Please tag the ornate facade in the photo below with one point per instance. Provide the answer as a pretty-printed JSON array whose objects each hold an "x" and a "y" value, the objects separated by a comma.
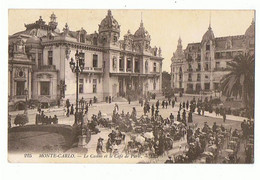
[
  {"x": 39, "y": 62},
  {"x": 201, "y": 65}
]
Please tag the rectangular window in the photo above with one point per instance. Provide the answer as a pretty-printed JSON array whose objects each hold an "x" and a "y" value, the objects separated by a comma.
[
  {"x": 137, "y": 66},
  {"x": 121, "y": 64},
  {"x": 207, "y": 86},
  {"x": 94, "y": 85},
  {"x": 39, "y": 59},
  {"x": 20, "y": 87},
  {"x": 154, "y": 67},
  {"x": 50, "y": 58},
  {"x": 45, "y": 88},
  {"x": 217, "y": 65},
  {"x": 129, "y": 64},
  {"x": 198, "y": 77},
  {"x": 206, "y": 67},
  {"x": 207, "y": 47},
  {"x": 95, "y": 60},
  {"x": 81, "y": 84}
]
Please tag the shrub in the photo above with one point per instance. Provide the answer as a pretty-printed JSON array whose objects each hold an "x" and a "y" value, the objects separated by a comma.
[{"x": 21, "y": 119}]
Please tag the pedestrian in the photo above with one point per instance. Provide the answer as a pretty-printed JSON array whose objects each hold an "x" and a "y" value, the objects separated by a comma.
[
  {"x": 163, "y": 104},
  {"x": 145, "y": 110},
  {"x": 152, "y": 110},
  {"x": 183, "y": 104},
  {"x": 129, "y": 100},
  {"x": 68, "y": 112},
  {"x": 203, "y": 110},
  {"x": 169, "y": 160},
  {"x": 180, "y": 107},
  {"x": 173, "y": 103},
  {"x": 72, "y": 109},
  {"x": 86, "y": 108},
  {"x": 187, "y": 105},
  {"x": 157, "y": 104},
  {"x": 99, "y": 148},
  {"x": 171, "y": 117},
  {"x": 190, "y": 117},
  {"x": 179, "y": 117},
  {"x": 166, "y": 104}
]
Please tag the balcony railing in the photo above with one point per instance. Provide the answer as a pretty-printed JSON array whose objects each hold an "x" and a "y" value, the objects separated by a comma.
[
  {"x": 221, "y": 69},
  {"x": 47, "y": 67},
  {"x": 190, "y": 69},
  {"x": 190, "y": 79},
  {"x": 93, "y": 69},
  {"x": 121, "y": 69},
  {"x": 198, "y": 70},
  {"x": 128, "y": 70},
  {"x": 20, "y": 96}
]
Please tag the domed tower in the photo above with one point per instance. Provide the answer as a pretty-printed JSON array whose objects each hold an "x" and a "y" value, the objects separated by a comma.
[
  {"x": 208, "y": 46},
  {"x": 109, "y": 30},
  {"x": 34, "y": 49},
  {"x": 142, "y": 39},
  {"x": 249, "y": 41},
  {"x": 207, "y": 63}
]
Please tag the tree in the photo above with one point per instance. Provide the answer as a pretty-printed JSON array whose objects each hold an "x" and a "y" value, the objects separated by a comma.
[
  {"x": 241, "y": 80},
  {"x": 166, "y": 85}
]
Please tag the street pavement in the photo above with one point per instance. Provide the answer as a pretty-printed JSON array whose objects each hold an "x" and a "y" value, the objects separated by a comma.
[{"x": 232, "y": 121}]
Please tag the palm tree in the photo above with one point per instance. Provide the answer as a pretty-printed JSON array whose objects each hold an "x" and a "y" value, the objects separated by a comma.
[{"x": 241, "y": 80}]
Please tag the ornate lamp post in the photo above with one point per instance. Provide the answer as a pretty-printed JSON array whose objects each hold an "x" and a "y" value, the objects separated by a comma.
[{"x": 77, "y": 67}]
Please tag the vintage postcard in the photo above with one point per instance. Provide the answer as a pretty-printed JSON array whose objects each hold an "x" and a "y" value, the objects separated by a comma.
[{"x": 131, "y": 86}]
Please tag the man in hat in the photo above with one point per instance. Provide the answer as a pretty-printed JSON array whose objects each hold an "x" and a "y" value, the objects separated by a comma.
[
  {"x": 99, "y": 148},
  {"x": 169, "y": 160}
]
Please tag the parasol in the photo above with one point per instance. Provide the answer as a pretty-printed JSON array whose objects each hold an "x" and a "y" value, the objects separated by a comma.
[
  {"x": 207, "y": 153},
  {"x": 229, "y": 150},
  {"x": 148, "y": 135},
  {"x": 140, "y": 139}
]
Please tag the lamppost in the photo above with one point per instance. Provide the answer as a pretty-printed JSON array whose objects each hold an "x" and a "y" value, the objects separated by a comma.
[
  {"x": 77, "y": 67},
  {"x": 26, "y": 94}
]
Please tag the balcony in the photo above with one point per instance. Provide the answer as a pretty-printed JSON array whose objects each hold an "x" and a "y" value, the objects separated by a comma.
[
  {"x": 47, "y": 68},
  {"x": 20, "y": 97},
  {"x": 121, "y": 69},
  {"x": 189, "y": 79},
  {"x": 221, "y": 69},
  {"x": 93, "y": 70},
  {"x": 128, "y": 70},
  {"x": 190, "y": 70},
  {"x": 198, "y": 70}
]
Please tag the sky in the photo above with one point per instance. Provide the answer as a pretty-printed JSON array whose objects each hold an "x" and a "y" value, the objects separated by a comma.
[{"x": 164, "y": 26}]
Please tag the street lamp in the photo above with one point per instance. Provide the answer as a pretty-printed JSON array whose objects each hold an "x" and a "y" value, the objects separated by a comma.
[
  {"x": 26, "y": 94},
  {"x": 77, "y": 67}
]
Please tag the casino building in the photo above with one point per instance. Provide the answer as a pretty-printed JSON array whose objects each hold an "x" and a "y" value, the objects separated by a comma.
[
  {"x": 200, "y": 67},
  {"x": 39, "y": 60}
]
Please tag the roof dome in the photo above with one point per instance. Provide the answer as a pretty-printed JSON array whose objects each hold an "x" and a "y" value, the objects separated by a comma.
[
  {"x": 141, "y": 32},
  {"x": 250, "y": 32},
  {"x": 209, "y": 35},
  {"x": 33, "y": 40},
  {"x": 109, "y": 23}
]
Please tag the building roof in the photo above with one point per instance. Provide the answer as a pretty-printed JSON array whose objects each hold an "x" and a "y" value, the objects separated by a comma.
[{"x": 109, "y": 23}]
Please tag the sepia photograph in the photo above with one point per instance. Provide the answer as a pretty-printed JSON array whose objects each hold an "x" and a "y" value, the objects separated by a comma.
[{"x": 131, "y": 86}]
